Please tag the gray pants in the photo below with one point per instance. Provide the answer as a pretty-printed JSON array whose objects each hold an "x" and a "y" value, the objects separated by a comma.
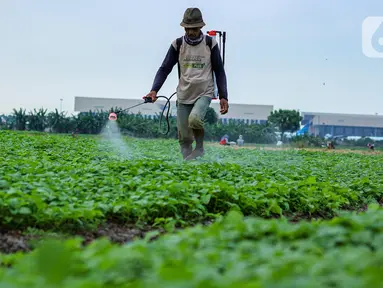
[{"x": 191, "y": 117}]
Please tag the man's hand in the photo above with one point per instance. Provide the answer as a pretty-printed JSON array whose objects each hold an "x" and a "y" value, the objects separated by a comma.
[
  {"x": 224, "y": 106},
  {"x": 153, "y": 95}
]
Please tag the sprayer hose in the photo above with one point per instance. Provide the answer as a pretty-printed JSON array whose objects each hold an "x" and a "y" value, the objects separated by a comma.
[
  {"x": 167, "y": 113},
  {"x": 167, "y": 104}
]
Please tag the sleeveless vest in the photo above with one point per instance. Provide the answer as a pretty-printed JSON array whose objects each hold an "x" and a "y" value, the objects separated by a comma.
[{"x": 194, "y": 70}]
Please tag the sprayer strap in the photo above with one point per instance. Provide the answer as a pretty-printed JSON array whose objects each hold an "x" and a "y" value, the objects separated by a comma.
[
  {"x": 179, "y": 43},
  {"x": 209, "y": 41}
]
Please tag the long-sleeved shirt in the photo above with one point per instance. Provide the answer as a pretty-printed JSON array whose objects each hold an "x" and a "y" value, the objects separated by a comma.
[{"x": 197, "y": 64}]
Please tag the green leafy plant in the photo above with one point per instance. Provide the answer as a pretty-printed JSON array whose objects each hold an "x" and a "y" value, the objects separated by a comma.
[
  {"x": 233, "y": 252},
  {"x": 51, "y": 182},
  {"x": 55, "y": 181}
]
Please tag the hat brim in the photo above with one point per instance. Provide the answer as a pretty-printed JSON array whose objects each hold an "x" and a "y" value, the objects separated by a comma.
[{"x": 194, "y": 25}]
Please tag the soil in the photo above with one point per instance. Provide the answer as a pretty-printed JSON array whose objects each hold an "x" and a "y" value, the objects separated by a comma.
[
  {"x": 117, "y": 233},
  {"x": 12, "y": 241}
]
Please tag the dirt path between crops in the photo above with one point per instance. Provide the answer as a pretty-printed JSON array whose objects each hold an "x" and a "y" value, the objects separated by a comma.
[
  {"x": 260, "y": 147},
  {"x": 14, "y": 241}
]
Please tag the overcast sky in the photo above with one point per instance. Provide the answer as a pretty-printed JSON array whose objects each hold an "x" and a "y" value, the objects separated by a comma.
[{"x": 276, "y": 51}]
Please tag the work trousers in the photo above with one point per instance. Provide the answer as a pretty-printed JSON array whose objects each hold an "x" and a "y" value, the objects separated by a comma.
[{"x": 191, "y": 117}]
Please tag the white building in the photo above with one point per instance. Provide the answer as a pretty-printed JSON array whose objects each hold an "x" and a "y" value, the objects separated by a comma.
[
  {"x": 337, "y": 124},
  {"x": 242, "y": 112}
]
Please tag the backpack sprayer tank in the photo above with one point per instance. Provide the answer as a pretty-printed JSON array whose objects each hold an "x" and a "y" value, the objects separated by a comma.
[{"x": 221, "y": 44}]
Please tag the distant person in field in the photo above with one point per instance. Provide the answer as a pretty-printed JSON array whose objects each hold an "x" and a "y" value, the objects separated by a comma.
[
  {"x": 197, "y": 56},
  {"x": 224, "y": 140},
  {"x": 240, "y": 141},
  {"x": 370, "y": 146},
  {"x": 75, "y": 133}
]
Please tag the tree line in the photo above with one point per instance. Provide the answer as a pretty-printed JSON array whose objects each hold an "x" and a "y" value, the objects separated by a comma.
[{"x": 137, "y": 125}]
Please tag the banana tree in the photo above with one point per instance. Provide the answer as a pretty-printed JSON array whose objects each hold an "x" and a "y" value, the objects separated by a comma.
[
  {"x": 20, "y": 119},
  {"x": 60, "y": 123},
  {"x": 37, "y": 120},
  {"x": 91, "y": 122}
]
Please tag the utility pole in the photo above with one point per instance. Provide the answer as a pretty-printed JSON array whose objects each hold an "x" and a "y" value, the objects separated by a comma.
[{"x": 61, "y": 105}]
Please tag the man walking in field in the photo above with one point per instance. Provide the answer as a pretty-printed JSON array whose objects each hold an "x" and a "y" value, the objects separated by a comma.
[{"x": 197, "y": 56}]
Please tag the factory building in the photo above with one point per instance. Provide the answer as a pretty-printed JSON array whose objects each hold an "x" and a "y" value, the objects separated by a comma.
[
  {"x": 245, "y": 113},
  {"x": 335, "y": 124}
]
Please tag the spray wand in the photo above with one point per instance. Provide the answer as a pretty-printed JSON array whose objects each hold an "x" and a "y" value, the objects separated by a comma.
[{"x": 113, "y": 115}]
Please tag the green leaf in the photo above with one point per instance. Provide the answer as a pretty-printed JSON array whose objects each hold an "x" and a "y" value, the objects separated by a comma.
[
  {"x": 205, "y": 199},
  {"x": 25, "y": 211}
]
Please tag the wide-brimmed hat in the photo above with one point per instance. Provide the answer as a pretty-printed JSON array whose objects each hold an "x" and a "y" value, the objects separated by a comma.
[{"x": 192, "y": 18}]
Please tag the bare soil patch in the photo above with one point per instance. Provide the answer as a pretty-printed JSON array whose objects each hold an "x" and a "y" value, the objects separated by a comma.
[
  {"x": 260, "y": 147},
  {"x": 12, "y": 241}
]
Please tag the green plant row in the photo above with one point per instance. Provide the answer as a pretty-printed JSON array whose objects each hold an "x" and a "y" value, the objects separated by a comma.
[
  {"x": 233, "y": 252},
  {"x": 55, "y": 181}
]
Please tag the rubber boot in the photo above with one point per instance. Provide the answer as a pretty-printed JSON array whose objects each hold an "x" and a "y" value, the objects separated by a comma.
[
  {"x": 186, "y": 150},
  {"x": 199, "y": 150}
]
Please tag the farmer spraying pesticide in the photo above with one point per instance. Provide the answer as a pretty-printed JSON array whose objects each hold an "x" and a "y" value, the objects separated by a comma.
[{"x": 198, "y": 57}]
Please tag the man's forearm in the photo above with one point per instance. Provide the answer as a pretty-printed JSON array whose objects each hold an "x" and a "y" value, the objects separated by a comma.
[
  {"x": 165, "y": 69},
  {"x": 222, "y": 84}
]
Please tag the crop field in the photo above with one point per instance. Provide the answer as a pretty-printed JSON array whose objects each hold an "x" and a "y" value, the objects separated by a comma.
[{"x": 236, "y": 218}]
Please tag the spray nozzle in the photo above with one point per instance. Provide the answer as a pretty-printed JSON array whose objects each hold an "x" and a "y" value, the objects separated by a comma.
[{"x": 112, "y": 116}]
